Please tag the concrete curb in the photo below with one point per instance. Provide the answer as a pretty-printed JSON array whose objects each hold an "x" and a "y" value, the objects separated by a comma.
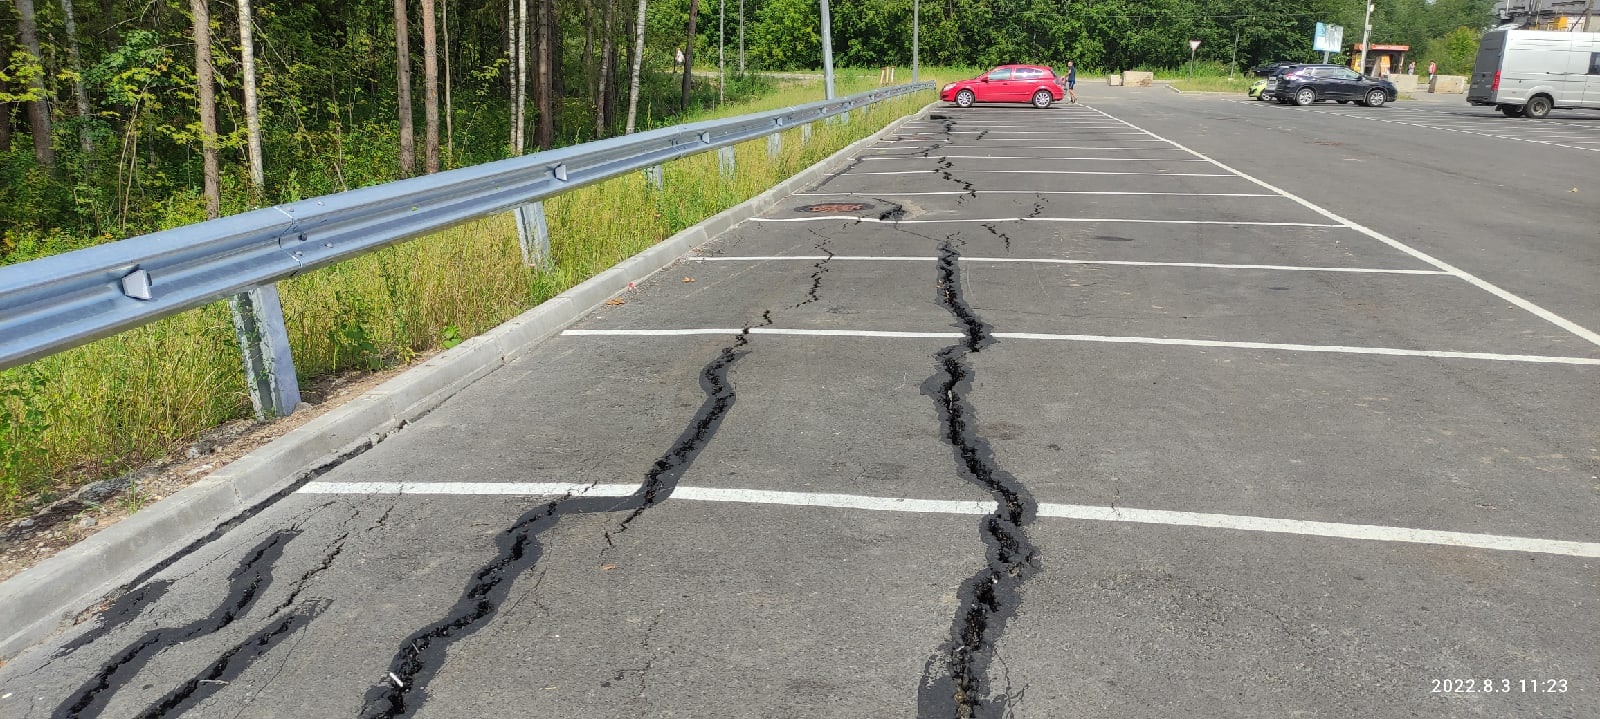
[{"x": 34, "y": 603}]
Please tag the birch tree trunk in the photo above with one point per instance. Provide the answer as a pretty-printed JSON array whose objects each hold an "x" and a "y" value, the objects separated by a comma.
[
  {"x": 688, "y": 53},
  {"x": 38, "y": 110},
  {"x": 608, "y": 53},
  {"x": 208, "y": 106},
  {"x": 79, "y": 94},
  {"x": 430, "y": 89},
  {"x": 252, "y": 101},
  {"x": 402, "y": 66},
  {"x": 633, "y": 73}
]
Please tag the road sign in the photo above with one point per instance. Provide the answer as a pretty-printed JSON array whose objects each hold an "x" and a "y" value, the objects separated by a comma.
[
  {"x": 1194, "y": 44},
  {"x": 1328, "y": 38}
]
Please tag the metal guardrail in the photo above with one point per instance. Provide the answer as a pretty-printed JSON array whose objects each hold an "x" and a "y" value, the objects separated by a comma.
[{"x": 59, "y": 302}]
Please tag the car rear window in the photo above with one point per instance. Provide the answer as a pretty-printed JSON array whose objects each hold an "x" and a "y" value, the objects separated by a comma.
[{"x": 1026, "y": 73}]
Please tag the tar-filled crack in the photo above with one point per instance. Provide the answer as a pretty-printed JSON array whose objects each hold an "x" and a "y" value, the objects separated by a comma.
[
  {"x": 245, "y": 586},
  {"x": 1005, "y": 238},
  {"x": 418, "y": 660},
  {"x": 956, "y": 681},
  {"x": 818, "y": 270},
  {"x": 854, "y": 161}
]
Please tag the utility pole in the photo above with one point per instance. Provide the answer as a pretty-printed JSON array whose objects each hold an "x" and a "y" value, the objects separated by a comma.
[
  {"x": 741, "y": 38},
  {"x": 722, "y": 59},
  {"x": 1236, "y": 54},
  {"x": 916, "y": 26},
  {"x": 1366, "y": 38},
  {"x": 827, "y": 53}
]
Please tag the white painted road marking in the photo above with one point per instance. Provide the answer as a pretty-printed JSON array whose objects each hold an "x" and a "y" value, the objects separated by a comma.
[
  {"x": 1042, "y": 192},
  {"x": 1536, "y": 310},
  {"x": 1335, "y": 349},
  {"x": 1273, "y": 525},
  {"x": 1053, "y": 261},
  {"x": 1040, "y": 172},
  {"x": 1028, "y": 157},
  {"x": 992, "y": 220}
]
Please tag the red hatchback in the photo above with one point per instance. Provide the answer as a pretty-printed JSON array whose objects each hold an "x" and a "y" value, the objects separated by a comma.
[{"x": 1035, "y": 84}]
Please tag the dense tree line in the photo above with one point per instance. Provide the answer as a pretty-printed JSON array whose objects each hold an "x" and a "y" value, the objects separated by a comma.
[{"x": 125, "y": 116}]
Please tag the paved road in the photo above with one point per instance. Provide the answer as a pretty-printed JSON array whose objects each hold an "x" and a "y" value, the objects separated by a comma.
[{"x": 1157, "y": 406}]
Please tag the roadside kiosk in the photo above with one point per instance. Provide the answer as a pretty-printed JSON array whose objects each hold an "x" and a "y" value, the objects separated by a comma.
[{"x": 1382, "y": 60}]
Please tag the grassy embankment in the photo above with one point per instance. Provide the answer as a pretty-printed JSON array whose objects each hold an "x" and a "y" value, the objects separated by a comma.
[{"x": 98, "y": 410}]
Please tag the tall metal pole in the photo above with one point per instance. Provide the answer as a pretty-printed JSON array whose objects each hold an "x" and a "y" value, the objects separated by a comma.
[
  {"x": 916, "y": 26},
  {"x": 1366, "y": 38},
  {"x": 1236, "y": 54},
  {"x": 741, "y": 38},
  {"x": 827, "y": 53}
]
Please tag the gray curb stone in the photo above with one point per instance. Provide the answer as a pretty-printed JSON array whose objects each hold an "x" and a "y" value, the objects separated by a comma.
[{"x": 35, "y": 603}]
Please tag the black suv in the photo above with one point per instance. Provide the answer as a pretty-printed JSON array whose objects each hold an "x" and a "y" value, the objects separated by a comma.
[{"x": 1305, "y": 84}]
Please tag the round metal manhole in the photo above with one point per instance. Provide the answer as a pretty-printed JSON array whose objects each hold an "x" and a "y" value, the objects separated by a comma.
[{"x": 831, "y": 207}]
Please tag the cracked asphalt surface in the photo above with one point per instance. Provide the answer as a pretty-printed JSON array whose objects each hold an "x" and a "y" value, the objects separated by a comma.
[{"x": 853, "y": 468}]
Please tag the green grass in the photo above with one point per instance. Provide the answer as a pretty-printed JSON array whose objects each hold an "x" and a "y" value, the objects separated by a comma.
[
  {"x": 106, "y": 407},
  {"x": 1239, "y": 84}
]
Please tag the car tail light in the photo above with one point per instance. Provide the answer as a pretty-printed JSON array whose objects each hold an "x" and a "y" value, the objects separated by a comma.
[{"x": 1496, "y": 85}]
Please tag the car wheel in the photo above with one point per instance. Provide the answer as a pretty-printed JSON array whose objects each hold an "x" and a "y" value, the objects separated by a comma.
[
  {"x": 1376, "y": 98},
  {"x": 1305, "y": 96},
  {"x": 1262, "y": 98},
  {"x": 964, "y": 98},
  {"x": 1042, "y": 99},
  {"x": 1538, "y": 106},
  {"x": 1511, "y": 110}
]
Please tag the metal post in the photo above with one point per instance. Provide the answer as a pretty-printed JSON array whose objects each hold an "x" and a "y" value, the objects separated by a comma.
[
  {"x": 774, "y": 145},
  {"x": 534, "y": 235},
  {"x": 1235, "y": 60},
  {"x": 805, "y": 133},
  {"x": 741, "y": 38},
  {"x": 827, "y": 53},
  {"x": 916, "y": 26},
  {"x": 268, "y": 365},
  {"x": 725, "y": 160},
  {"x": 653, "y": 175},
  {"x": 1366, "y": 39}
]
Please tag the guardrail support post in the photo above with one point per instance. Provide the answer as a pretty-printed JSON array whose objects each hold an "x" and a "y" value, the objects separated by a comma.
[
  {"x": 844, "y": 117},
  {"x": 653, "y": 175},
  {"x": 725, "y": 161},
  {"x": 534, "y": 235},
  {"x": 774, "y": 145},
  {"x": 268, "y": 364},
  {"x": 805, "y": 133}
]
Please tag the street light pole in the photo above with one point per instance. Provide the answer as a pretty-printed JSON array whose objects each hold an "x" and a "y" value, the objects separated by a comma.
[
  {"x": 1366, "y": 38},
  {"x": 827, "y": 53},
  {"x": 722, "y": 60}
]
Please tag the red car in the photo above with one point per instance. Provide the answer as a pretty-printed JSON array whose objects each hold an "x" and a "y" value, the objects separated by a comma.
[{"x": 1035, "y": 84}]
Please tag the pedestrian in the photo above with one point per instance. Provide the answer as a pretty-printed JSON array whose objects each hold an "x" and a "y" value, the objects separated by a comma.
[
  {"x": 678, "y": 61},
  {"x": 1072, "y": 79},
  {"x": 1412, "y": 68},
  {"x": 1432, "y": 68}
]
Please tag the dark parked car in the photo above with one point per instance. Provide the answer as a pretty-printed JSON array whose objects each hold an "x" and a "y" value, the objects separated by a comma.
[
  {"x": 1271, "y": 68},
  {"x": 1306, "y": 84},
  {"x": 1034, "y": 84}
]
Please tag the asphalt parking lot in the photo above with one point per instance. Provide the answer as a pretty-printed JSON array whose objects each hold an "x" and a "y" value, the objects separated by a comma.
[
  {"x": 1572, "y": 129},
  {"x": 1154, "y": 406}
]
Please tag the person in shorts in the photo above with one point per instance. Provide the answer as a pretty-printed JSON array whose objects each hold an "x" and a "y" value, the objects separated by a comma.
[{"x": 1072, "y": 79}]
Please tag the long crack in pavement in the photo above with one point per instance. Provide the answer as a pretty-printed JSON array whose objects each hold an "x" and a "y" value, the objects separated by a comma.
[
  {"x": 420, "y": 656},
  {"x": 956, "y": 680}
]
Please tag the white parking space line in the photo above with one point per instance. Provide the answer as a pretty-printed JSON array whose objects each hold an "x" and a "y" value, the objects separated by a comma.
[
  {"x": 1551, "y": 317},
  {"x": 1042, "y": 172},
  {"x": 1333, "y": 349},
  {"x": 1043, "y": 192},
  {"x": 1029, "y": 157},
  {"x": 994, "y": 220},
  {"x": 1084, "y": 512},
  {"x": 1144, "y": 148},
  {"x": 1055, "y": 261}
]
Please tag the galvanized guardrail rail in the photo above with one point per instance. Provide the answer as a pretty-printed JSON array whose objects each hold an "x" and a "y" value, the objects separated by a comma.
[{"x": 59, "y": 302}]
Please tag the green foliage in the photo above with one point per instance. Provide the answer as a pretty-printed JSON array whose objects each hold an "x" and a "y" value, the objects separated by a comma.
[{"x": 1456, "y": 51}]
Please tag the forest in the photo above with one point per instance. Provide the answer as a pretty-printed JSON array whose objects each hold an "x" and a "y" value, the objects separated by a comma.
[{"x": 120, "y": 117}]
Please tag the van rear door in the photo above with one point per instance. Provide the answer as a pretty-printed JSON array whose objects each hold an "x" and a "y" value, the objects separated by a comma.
[
  {"x": 1481, "y": 90},
  {"x": 1591, "y": 92}
]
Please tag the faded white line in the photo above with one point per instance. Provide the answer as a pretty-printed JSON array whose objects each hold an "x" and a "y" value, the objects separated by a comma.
[
  {"x": 1107, "y": 339},
  {"x": 1042, "y": 192},
  {"x": 991, "y": 220},
  {"x": 1271, "y": 525},
  {"x": 1053, "y": 261},
  {"x": 1536, "y": 310},
  {"x": 1028, "y": 157},
  {"x": 1040, "y": 172}
]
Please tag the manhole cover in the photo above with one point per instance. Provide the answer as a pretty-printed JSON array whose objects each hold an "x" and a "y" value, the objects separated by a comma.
[{"x": 834, "y": 207}]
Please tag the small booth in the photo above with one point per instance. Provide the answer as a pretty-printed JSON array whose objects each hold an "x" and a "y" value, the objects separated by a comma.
[{"x": 1382, "y": 60}]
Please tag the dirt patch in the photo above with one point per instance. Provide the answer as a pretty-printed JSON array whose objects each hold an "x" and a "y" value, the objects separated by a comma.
[{"x": 30, "y": 540}]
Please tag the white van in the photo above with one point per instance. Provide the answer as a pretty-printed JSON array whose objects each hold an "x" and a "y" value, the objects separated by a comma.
[{"x": 1528, "y": 72}]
